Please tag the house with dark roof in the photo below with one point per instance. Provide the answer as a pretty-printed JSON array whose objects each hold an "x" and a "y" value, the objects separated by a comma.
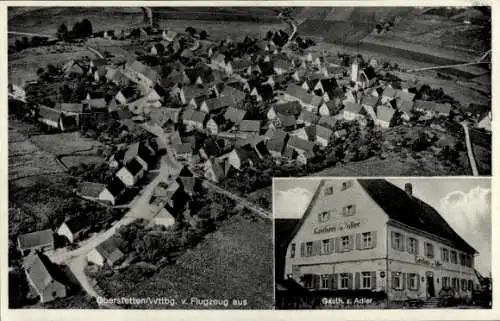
[
  {"x": 239, "y": 66},
  {"x": 327, "y": 121},
  {"x": 75, "y": 227},
  {"x": 216, "y": 124},
  {"x": 300, "y": 149},
  {"x": 183, "y": 152},
  {"x": 125, "y": 95},
  {"x": 234, "y": 115},
  {"x": 217, "y": 169},
  {"x": 140, "y": 73},
  {"x": 35, "y": 241},
  {"x": 263, "y": 93},
  {"x": 388, "y": 95},
  {"x": 131, "y": 173},
  {"x": 239, "y": 158},
  {"x": 369, "y": 104},
  {"x": 406, "y": 109},
  {"x": 142, "y": 151},
  {"x": 249, "y": 127},
  {"x": 290, "y": 108},
  {"x": 309, "y": 101},
  {"x": 285, "y": 122},
  {"x": 363, "y": 78},
  {"x": 106, "y": 253},
  {"x": 113, "y": 191},
  {"x": 330, "y": 107},
  {"x": 307, "y": 118},
  {"x": 431, "y": 108},
  {"x": 277, "y": 142},
  {"x": 50, "y": 117},
  {"x": 319, "y": 134},
  {"x": 44, "y": 278},
  {"x": 381, "y": 239},
  {"x": 352, "y": 111},
  {"x": 90, "y": 190}
]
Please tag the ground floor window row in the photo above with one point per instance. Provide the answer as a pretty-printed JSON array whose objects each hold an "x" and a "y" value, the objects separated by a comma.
[
  {"x": 368, "y": 280},
  {"x": 346, "y": 243}
]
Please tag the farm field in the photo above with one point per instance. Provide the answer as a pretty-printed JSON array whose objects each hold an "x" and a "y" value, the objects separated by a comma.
[
  {"x": 76, "y": 160},
  {"x": 65, "y": 143},
  {"x": 234, "y": 262},
  {"x": 255, "y": 14}
]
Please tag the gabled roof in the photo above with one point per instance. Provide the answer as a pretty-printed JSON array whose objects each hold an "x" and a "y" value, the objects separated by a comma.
[
  {"x": 115, "y": 187},
  {"x": 184, "y": 148},
  {"x": 91, "y": 189},
  {"x": 109, "y": 250},
  {"x": 405, "y": 106},
  {"x": 49, "y": 113},
  {"x": 220, "y": 58},
  {"x": 204, "y": 73},
  {"x": 40, "y": 271},
  {"x": 432, "y": 106},
  {"x": 290, "y": 108},
  {"x": 35, "y": 239},
  {"x": 385, "y": 113},
  {"x": 235, "y": 115},
  {"x": 352, "y": 107},
  {"x": 266, "y": 92},
  {"x": 390, "y": 92},
  {"x": 277, "y": 141},
  {"x": 194, "y": 115},
  {"x": 286, "y": 120},
  {"x": 301, "y": 144},
  {"x": 99, "y": 103},
  {"x": 128, "y": 92},
  {"x": 282, "y": 63},
  {"x": 320, "y": 131},
  {"x": 328, "y": 121},
  {"x": 71, "y": 107},
  {"x": 249, "y": 126},
  {"x": 411, "y": 211},
  {"x": 194, "y": 91},
  {"x": 308, "y": 116},
  {"x": 240, "y": 64},
  {"x": 369, "y": 100},
  {"x": 405, "y": 96},
  {"x": 140, "y": 68},
  {"x": 302, "y": 95},
  {"x": 77, "y": 223},
  {"x": 134, "y": 167}
]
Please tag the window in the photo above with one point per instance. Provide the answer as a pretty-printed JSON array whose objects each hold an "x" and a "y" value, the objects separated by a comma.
[
  {"x": 445, "y": 255},
  {"x": 429, "y": 250},
  {"x": 366, "y": 239},
  {"x": 397, "y": 241},
  {"x": 324, "y": 281},
  {"x": 454, "y": 284},
  {"x": 325, "y": 246},
  {"x": 309, "y": 249},
  {"x": 453, "y": 257},
  {"x": 329, "y": 190},
  {"x": 366, "y": 280},
  {"x": 446, "y": 282},
  {"x": 292, "y": 251},
  {"x": 464, "y": 284},
  {"x": 346, "y": 185},
  {"x": 470, "y": 285},
  {"x": 346, "y": 243},
  {"x": 349, "y": 210},
  {"x": 413, "y": 281},
  {"x": 344, "y": 281},
  {"x": 323, "y": 217},
  {"x": 308, "y": 282},
  {"x": 412, "y": 246},
  {"x": 397, "y": 280},
  {"x": 462, "y": 259}
]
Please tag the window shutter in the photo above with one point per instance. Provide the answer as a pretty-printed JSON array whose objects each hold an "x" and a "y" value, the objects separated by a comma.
[
  {"x": 350, "y": 281},
  {"x": 351, "y": 241},
  {"x": 316, "y": 250},
  {"x": 416, "y": 247},
  {"x": 408, "y": 281},
  {"x": 402, "y": 243},
  {"x": 393, "y": 240},
  {"x": 302, "y": 249},
  {"x": 374, "y": 279},
  {"x": 358, "y": 241},
  {"x": 315, "y": 281},
  {"x": 332, "y": 245},
  {"x": 418, "y": 282},
  {"x": 357, "y": 280},
  {"x": 335, "y": 283},
  {"x": 403, "y": 283},
  {"x": 393, "y": 280},
  {"x": 374, "y": 239},
  {"x": 330, "y": 281}
]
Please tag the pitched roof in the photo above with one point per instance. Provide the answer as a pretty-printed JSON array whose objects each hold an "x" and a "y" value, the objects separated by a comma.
[
  {"x": 328, "y": 121},
  {"x": 431, "y": 106},
  {"x": 220, "y": 58},
  {"x": 35, "y": 239},
  {"x": 301, "y": 94},
  {"x": 405, "y": 96},
  {"x": 308, "y": 116},
  {"x": 385, "y": 113},
  {"x": 40, "y": 271},
  {"x": 405, "y": 106},
  {"x": 390, "y": 92},
  {"x": 128, "y": 92},
  {"x": 249, "y": 126},
  {"x": 133, "y": 166},
  {"x": 411, "y": 211},
  {"x": 204, "y": 73},
  {"x": 286, "y": 120},
  {"x": 282, "y": 63},
  {"x": 352, "y": 107},
  {"x": 265, "y": 91},
  {"x": 194, "y": 91},
  {"x": 235, "y": 115},
  {"x": 241, "y": 64},
  {"x": 290, "y": 108},
  {"x": 109, "y": 250},
  {"x": 71, "y": 107},
  {"x": 301, "y": 144},
  {"x": 49, "y": 113},
  {"x": 320, "y": 131},
  {"x": 91, "y": 189},
  {"x": 115, "y": 187},
  {"x": 98, "y": 103},
  {"x": 141, "y": 68},
  {"x": 277, "y": 141},
  {"x": 184, "y": 148},
  {"x": 369, "y": 100},
  {"x": 77, "y": 223},
  {"x": 194, "y": 115}
]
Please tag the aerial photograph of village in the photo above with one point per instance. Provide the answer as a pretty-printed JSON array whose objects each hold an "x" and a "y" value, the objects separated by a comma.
[{"x": 143, "y": 141}]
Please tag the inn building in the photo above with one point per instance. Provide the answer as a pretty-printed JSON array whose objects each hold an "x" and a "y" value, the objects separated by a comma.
[{"x": 370, "y": 235}]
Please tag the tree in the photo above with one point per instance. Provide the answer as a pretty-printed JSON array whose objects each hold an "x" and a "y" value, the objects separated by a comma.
[
  {"x": 86, "y": 28},
  {"x": 77, "y": 29},
  {"x": 269, "y": 35},
  {"x": 19, "y": 45},
  {"x": 203, "y": 35},
  {"x": 190, "y": 30},
  {"x": 62, "y": 31},
  {"x": 40, "y": 71}
]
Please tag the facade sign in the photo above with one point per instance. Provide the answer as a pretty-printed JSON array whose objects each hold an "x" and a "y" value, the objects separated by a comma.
[{"x": 337, "y": 227}]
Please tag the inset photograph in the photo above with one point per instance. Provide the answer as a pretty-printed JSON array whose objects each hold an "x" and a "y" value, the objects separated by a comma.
[{"x": 345, "y": 243}]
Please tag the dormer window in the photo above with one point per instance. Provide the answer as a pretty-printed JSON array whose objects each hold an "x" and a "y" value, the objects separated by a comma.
[
  {"x": 346, "y": 185},
  {"x": 329, "y": 190},
  {"x": 349, "y": 210}
]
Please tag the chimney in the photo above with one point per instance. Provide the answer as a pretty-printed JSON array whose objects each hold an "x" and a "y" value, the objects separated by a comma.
[{"x": 409, "y": 189}]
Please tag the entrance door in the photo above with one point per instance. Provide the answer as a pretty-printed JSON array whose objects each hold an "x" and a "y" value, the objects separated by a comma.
[{"x": 430, "y": 286}]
